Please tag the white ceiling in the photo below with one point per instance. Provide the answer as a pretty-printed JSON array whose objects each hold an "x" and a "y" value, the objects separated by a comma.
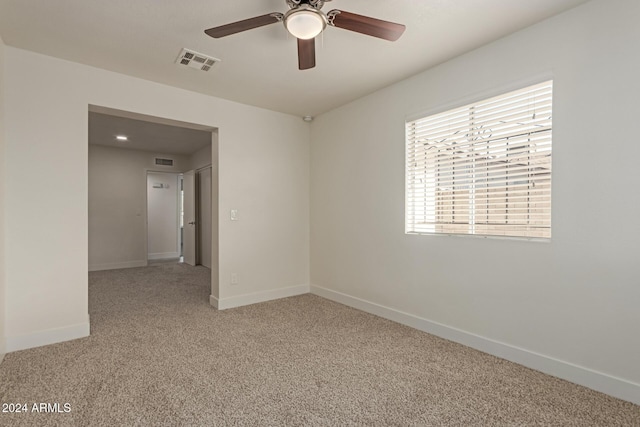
[
  {"x": 259, "y": 67},
  {"x": 145, "y": 135}
]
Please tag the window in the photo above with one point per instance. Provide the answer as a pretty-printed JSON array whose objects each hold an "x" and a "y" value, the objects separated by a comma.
[{"x": 482, "y": 169}]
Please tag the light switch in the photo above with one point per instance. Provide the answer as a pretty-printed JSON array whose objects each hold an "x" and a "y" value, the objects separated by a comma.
[{"x": 234, "y": 214}]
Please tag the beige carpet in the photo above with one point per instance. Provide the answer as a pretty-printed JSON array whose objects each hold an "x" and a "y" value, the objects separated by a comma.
[{"x": 159, "y": 355}]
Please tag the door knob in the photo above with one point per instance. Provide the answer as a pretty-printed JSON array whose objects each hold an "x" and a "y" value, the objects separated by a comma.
[{"x": 192, "y": 223}]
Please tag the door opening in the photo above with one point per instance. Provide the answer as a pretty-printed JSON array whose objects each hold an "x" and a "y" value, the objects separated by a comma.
[
  {"x": 163, "y": 216},
  {"x": 124, "y": 180}
]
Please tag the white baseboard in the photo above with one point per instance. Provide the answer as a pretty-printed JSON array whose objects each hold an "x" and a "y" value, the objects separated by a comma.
[
  {"x": 256, "y": 297},
  {"x": 117, "y": 265},
  {"x": 214, "y": 301},
  {"x": 613, "y": 386},
  {"x": 46, "y": 337},
  {"x": 163, "y": 255}
]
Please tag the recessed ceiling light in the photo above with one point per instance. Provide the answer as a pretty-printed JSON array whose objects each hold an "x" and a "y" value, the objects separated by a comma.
[{"x": 121, "y": 138}]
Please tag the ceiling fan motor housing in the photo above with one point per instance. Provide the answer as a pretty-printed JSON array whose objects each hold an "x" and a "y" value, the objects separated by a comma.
[{"x": 317, "y": 4}]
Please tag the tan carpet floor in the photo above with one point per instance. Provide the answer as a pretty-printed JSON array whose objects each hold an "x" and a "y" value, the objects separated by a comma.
[{"x": 159, "y": 355}]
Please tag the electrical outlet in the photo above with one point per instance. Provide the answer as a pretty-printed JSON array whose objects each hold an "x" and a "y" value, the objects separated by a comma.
[
  {"x": 234, "y": 214},
  {"x": 234, "y": 278}
]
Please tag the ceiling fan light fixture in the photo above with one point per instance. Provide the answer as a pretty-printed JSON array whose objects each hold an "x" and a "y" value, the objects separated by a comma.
[{"x": 305, "y": 23}]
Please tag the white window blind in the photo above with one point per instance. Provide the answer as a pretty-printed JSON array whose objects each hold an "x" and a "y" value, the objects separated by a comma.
[{"x": 484, "y": 168}]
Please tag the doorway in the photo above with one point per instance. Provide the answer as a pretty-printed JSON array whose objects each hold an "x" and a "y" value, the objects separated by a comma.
[
  {"x": 163, "y": 216},
  {"x": 137, "y": 165}
]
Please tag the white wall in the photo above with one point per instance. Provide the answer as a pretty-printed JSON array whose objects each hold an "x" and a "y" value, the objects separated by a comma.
[
  {"x": 201, "y": 158},
  {"x": 204, "y": 216},
  {"x": 208, "y": 230},
  {"x": 117, "y": 205},
  {"x": 2, "y": 205},
  {"x": 263, "y": 172},
  {"x": 568, "y": 307},
  {"x": 215, "y": 251},
  {"x": 208, "y": 156},
  {"x": 162, "y": 215}
]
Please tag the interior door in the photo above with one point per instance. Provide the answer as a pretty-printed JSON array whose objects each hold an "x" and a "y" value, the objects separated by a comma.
[{"x": 190, "y": 226}]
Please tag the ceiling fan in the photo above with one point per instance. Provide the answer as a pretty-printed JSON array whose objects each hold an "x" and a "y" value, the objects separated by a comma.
[{"x": 305, "y": 20}]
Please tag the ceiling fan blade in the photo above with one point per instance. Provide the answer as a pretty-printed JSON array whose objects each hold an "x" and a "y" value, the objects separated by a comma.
[
  {"x": 244, "y": 25},
  {"x": 366, "y": 25},
  {"x": 306, "y": 54}
]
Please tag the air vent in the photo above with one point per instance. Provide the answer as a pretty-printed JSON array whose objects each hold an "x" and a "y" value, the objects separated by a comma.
[
  {"x": 196, "y": 60},
  {"x": 163, "y": 162}
]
